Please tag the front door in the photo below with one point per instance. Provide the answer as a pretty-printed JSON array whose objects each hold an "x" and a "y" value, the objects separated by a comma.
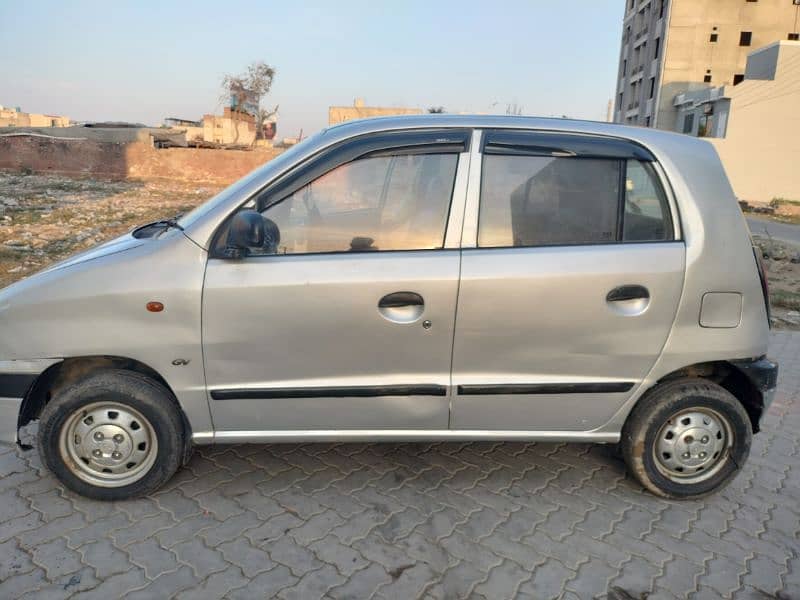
[
  {"x": 344, "y": 320},
  {"x": 569, "y": 286}
]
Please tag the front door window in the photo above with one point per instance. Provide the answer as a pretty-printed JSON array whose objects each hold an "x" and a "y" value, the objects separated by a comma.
[{"x": 398, "y": 202}]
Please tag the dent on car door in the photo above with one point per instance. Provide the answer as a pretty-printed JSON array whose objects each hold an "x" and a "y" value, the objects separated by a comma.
[
  {"x": 569, "y": 287},
  {"x": 344, "y": 320}
]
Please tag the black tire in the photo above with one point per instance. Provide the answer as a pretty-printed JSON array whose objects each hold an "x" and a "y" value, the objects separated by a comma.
[
  {"x": 144, "y": 395},
  {"x": 655, "y": 410}
]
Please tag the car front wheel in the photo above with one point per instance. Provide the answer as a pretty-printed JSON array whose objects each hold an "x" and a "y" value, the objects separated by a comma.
[
  {"x": 686, "y": 439},
  {"x": 113, "y": 435}
]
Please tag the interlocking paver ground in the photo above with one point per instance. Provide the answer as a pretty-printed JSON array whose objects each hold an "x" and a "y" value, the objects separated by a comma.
[{"x": 433, "y": 520}]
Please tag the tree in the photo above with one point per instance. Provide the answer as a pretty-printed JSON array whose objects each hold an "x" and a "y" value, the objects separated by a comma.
[
  {"x": 436, "y": 110},
  {"x": 254, "y": 83}
]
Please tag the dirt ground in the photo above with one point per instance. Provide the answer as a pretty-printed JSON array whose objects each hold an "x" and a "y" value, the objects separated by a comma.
[
  {"x": 782, "y": 262},
  {"x": 45, "y": 218}
]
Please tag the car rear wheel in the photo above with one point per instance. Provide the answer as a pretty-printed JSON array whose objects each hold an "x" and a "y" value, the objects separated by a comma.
[
  {"x": 113, "y": 435},
  {"x": 686, "y": 439}
]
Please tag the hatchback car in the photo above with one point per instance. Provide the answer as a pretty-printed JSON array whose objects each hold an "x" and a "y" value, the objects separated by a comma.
[{"x": 411, "y": 278}]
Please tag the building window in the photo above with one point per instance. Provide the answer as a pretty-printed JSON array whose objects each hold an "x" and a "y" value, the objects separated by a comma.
[
  {"x": 714, "y": 37},
  {"x": 624, "y": 67},
  {"x": 652, "y": 86},
  {"x": 707, "y": 78},
  {"x": 688, "y": 123},
  {"x": 794, "y": 37},
  {"x": 745, "y": 38},
  {"x": 658, "y": 47},
  {"x": 738, "y": 78}
]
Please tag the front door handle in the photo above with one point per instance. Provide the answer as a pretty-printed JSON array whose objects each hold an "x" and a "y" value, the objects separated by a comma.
[
  {"x": 628, "y": 292},
  {"x": 401, "y": 307},
  {"x": 399, "y": 299}
]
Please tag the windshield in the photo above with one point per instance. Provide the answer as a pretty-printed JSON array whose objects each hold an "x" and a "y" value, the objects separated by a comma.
[{"x": 277, "y": 164}]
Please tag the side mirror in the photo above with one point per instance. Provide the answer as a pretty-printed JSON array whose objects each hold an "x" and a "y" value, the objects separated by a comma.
[{"x": 246, "y": 231}]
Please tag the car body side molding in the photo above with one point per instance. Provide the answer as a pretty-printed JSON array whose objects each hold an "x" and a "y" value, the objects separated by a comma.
[
  {"x": 367, "y": 391},
  {"x": 612, "y": 387}
]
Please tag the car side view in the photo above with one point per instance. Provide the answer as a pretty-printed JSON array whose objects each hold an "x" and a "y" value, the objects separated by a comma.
[{"x": 432, "y": 277}]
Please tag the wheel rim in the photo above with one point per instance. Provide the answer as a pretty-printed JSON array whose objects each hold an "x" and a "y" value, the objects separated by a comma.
[
  {"x": 108, "y": 444},
  {"x": 693, "y": 445}
]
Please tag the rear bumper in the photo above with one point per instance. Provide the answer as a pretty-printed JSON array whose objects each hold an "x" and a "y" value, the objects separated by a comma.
[
  {"x": 763, "y": 374},
  {"x": 16, "y": 379}
]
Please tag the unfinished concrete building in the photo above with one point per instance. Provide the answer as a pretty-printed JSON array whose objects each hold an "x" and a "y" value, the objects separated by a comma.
[{"x": 674, "y": 46}]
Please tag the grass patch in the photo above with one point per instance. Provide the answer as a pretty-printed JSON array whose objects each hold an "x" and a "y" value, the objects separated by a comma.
[
  {"x": 776, "y": 202},
  {"x": 784, "y": 299},
  {"x": 9, "y": 253},
  {"x": 25, "y": 217}
]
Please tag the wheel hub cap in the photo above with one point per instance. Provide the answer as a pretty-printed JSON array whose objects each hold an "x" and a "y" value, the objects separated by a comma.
[
  {"x": 692, "y": 445},
  {"x": 108, "y": 444}
]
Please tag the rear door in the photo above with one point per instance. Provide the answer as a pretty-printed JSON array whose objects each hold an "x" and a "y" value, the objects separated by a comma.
[{"x": 571, "y": 273}]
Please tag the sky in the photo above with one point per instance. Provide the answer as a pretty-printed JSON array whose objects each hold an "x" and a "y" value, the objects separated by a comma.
[{"x": 146, "y": 60}]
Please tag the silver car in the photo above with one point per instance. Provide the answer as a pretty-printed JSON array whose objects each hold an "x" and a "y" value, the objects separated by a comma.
[{"x": 413, "y": 278}]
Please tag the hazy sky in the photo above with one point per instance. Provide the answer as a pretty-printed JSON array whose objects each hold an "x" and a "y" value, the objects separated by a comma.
[{"x": 146, "y": 60}]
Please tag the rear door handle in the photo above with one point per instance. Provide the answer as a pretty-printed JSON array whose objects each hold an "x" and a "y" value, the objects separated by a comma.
[
  {"x": 400, "y": 299},
  {"x": 628, "y": 292}
]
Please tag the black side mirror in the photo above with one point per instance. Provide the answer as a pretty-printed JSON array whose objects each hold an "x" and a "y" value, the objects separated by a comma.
[{"x": 246, "y": 231}]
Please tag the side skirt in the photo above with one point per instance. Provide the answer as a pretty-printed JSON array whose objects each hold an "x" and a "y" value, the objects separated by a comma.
[{"x": 398, "y": 435}]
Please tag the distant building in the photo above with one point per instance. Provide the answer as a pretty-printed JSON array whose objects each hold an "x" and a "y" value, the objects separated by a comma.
[
  {"x": 176, "y": 122},
  {"x": 755, "y": 125},
  {"x": 14, "y": 117},
  {"x": 670, "y": 47},
  {"x": 232, "y": 127},
  {"x": 340, "y": 114}
]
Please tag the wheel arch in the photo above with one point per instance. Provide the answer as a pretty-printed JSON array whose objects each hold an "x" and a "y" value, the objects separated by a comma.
[
  {"x": 73, "y": 369},
  {"x": 729, "y": 376}
]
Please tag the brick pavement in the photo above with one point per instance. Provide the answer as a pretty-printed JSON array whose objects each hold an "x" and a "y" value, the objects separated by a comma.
[{"x": 454, "y": 520}]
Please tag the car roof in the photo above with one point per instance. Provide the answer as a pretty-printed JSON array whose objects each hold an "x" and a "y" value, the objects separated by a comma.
[{"x": 644, "y": 135}]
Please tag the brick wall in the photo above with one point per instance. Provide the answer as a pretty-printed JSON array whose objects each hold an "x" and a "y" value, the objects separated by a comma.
[
  {"x": 194, "y": 164},
  {"x": 136, "y": 160}
]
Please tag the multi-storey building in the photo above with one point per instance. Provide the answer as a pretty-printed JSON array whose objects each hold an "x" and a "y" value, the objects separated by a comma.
[{"x": 674, "y": 46}]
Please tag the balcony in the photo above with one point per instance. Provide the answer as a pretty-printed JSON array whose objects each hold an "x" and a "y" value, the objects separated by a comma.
[
  {"x": 640, "y": 37},
  {"x": 632, "y": 109},
  {"x": 637, "y": 73}
]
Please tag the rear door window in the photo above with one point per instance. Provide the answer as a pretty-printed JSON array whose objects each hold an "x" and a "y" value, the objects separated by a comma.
[{"x": 547, "y": 190}]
